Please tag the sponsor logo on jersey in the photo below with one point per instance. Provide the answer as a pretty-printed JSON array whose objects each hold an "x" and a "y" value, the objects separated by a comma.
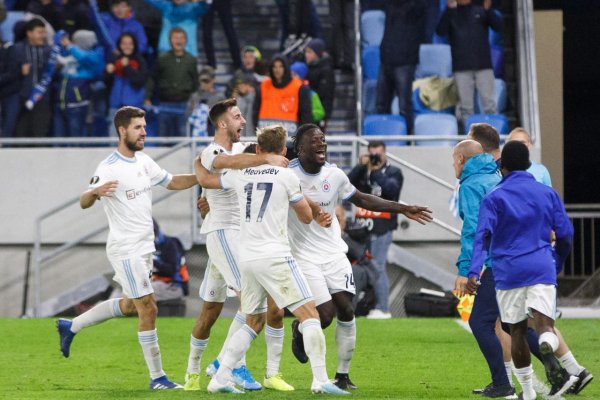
[{"x": 132, "y": 193}]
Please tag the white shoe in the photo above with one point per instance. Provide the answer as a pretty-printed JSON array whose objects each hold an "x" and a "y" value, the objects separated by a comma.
[
  {"x": 378, "y": 314},
  {"x": 215, "y": 387},
  {"x": 327, "y": 388}
]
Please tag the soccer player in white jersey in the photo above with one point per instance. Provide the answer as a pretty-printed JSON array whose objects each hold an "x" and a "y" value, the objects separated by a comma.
[
  {"x": 222, "y": 228},
  {"x": 265, "y": 194},
  {"x": 321, "y": 252},
  {"x": 123, "y": 181}
]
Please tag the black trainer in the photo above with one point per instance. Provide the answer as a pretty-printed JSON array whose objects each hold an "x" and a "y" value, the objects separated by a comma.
[
  {"x": 585, "y": 377},
  {"x": 481, "y": 390},
  {"x": 505, "y": 391},
  {"x": 558, "y": 377},
  {"x": 343, "y": 382},
  {"x": 298, "y": 343}
]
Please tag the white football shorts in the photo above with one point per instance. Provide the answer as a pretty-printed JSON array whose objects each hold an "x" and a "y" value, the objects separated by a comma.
[
  {"x": 133, "y": 274},
  {"x": 222, "y": 270},
  {"x": 326, "y": 279},
  {"x": 516, "y": 304},
  {"x": 278, "y": 277}
]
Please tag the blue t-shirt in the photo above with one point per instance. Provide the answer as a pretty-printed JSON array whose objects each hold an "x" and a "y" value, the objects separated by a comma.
[{"x": 515, "y": 220}]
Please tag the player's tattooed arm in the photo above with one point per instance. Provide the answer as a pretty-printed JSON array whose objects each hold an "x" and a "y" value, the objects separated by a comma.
[{"x": 373, "y": 203}]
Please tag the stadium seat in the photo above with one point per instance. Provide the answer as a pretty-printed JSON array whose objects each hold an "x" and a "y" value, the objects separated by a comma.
[
  {"x": 501, "y": 98},
  {"x": 434, "y": 59},
  {"x": 498, "y": 121},
  {"x": 370, "y": 62},
  {"x": 6, "y": 27},
  {"x": 372, "y": 23},
  {"x": 369, "y": 97},
  {"x": 436, "y": 124},
  {"x": 420, "y": 108},
  {"x": 386, "y": 124}
]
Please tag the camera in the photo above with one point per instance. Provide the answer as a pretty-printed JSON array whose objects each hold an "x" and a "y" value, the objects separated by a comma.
[{"x": 374, "y": 159}]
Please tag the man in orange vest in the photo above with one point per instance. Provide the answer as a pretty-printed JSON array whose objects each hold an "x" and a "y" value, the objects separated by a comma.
[{"x": 282, "y": 99}]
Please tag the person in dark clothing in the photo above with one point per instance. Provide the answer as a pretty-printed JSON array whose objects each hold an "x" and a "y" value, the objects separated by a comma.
[
  {"x": 467, "y": 26},
  {"x": 375, "y": 175},
  {"x": 77, "y": 14},
  {"x": 50, "y": 11},
  {"x": 10, "y": 76},
  {"x": 282, "y": 99},
  {"x": 31, "y": 55},
  {"x": 342, "y": 26},
  {"x": 223, "y": 8},
  {"x": 404, "y": 32},
  {"x": 169, "y": 272},
  {"x": 320, "y": 75}
]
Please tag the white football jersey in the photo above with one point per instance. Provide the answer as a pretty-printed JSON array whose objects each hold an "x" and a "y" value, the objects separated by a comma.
[
  {"x": 264, "y": 194},
  {"x": 129, "y": 209},
  {"x": 224, "y": 211},
  {"x": 312, "y": 242}
]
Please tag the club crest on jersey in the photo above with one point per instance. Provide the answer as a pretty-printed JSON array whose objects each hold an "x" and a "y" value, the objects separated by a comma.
[{"x": 326, "y": 186}]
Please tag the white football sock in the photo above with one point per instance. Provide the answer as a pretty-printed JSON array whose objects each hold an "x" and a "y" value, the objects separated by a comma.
[
  {"x": 238, "y": 321},
  {"x": 570, "y": 363},
  {"x": 274, "y": 339},
  {"x": 197, "y": 347},
  {"x": 345, "y": 338},
  {"x": 314, "y": 345},
  {"x": 524, "y": 376},
  {"x": 508, "y": 365},
  {"x": 149, "y": 342},
  {"x": 550, "y": 338},
  {"x": 99, "y": 313},
  {"x": 237, "y": 347}
]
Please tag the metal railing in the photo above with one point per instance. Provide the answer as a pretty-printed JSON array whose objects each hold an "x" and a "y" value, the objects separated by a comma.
[
  {"x": 583, "y": 261},
  {"x": 347, "y": 144}
]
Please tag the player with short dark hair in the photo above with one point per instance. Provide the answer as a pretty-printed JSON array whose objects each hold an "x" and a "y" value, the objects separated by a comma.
[{"x": 124, "y": 181}]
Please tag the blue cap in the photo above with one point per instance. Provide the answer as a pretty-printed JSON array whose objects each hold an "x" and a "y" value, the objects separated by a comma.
[{"x": 300, "y": 69}]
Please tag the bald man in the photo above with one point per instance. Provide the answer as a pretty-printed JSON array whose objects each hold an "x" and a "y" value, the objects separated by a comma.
[
  {"x": 477, "y": 172},
  {"x": 539, "y": 171}
]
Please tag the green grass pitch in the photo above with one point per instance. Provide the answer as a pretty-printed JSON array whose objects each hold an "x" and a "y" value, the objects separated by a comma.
[{"x": 395, "y": 359}]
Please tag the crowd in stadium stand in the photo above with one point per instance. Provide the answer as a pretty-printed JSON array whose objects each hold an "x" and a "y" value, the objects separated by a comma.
[{"x": 67, "y": 65}]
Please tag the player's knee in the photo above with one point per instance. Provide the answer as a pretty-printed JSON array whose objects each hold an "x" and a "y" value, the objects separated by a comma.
[
  {"x": 127, "y": 307},
  {"x": 326, "y": 317},
  {"x": 275, "y": 317},
  {"x": 256, "y": 323}
]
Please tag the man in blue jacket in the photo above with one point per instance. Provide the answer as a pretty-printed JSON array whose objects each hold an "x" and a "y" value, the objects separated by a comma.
[
  {"x": 477, "y": 172},
  {"x": 515, "y": 220}
]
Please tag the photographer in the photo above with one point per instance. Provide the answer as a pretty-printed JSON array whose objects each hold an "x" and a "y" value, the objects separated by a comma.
[{"x": 376, "y": 176}]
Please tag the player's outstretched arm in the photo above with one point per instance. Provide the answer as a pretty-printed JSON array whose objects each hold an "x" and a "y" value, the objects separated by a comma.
[
  {"x": 205, "y": 178},
  {"x": 303, "y": 211},
  {"x": 373, "y": 203},
  {"x": 245, "y": 160},
  {"x": 182, "y": 181},
  {"x": 89, "y": 197}
]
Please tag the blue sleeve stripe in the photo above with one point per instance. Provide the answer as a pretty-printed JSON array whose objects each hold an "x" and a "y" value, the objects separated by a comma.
[{"x": 296, "y": 198}]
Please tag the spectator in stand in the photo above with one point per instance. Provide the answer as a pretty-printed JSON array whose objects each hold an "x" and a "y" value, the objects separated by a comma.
[
  {"x": 129, "y": 74},
  {"x": 467, "y": 25},
  {"x": 298, "y": 18},
  {"x": 78, "y": 16},
  {"x": 207, "y": 94},
  {"x": 179, "y": 14},
  {"x": 244, "y": 92},
  {"x": 31, "y": 55},
  {"x": 252, "y": 64},
  {"x": 342, "y": 26},
  {"x": 174, "y": 77},
  {"x": 82, "y": 63},
  {"x": 320, "y": 75},
  {"x": 375, "y": 175},
  {"x": 120, "y": 20},
  {"x": 281, "y": 99},
  {"x": 403, "y": 33},
  {"x": 10, "y": 75},
  {"x": 151, "y": 20},
  {"x": 50, "y": 11},
  {"x": 299, "y": 70},
  {"x": 223, "y": 7}
]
